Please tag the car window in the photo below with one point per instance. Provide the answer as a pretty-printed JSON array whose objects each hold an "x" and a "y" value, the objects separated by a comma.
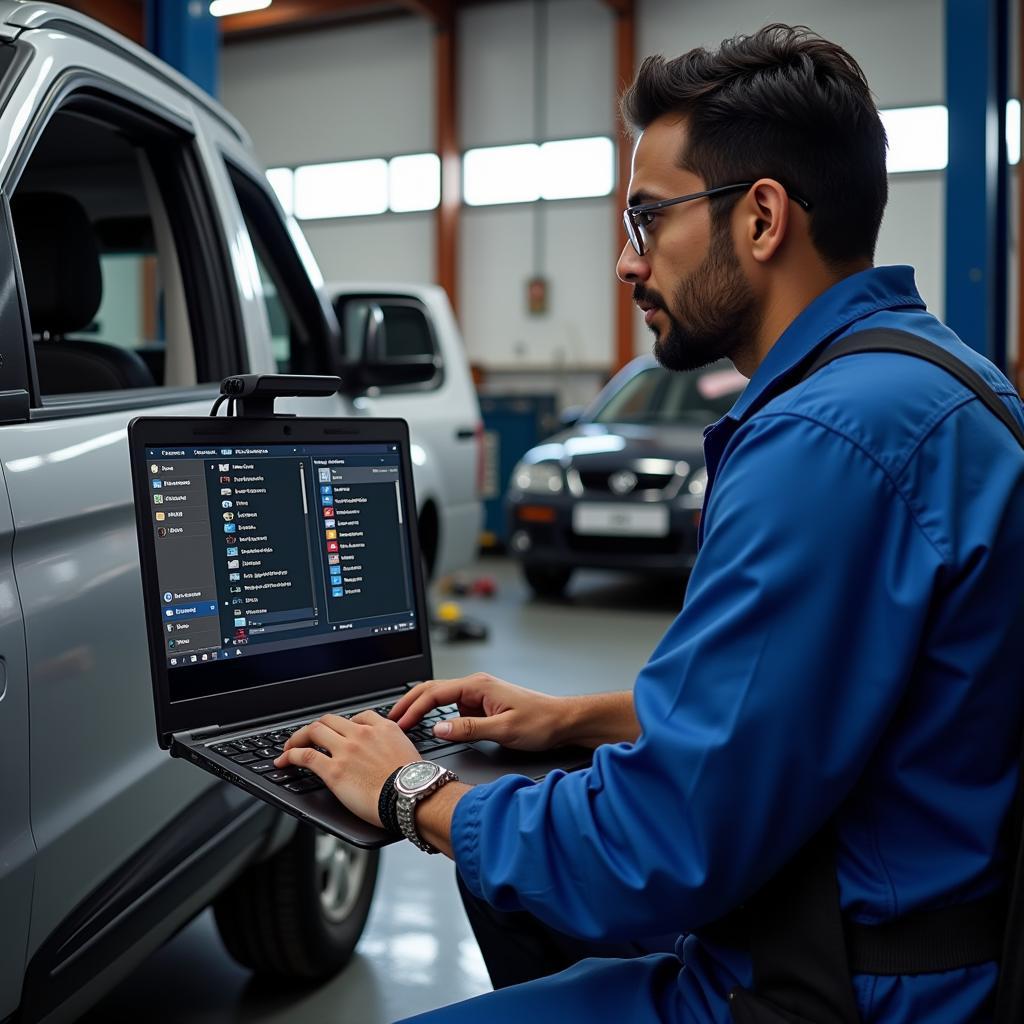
[
  {"x": 96, "y": 216},
  {"x": 656, "y": 395},
  {"x": 302, "y": 338}
]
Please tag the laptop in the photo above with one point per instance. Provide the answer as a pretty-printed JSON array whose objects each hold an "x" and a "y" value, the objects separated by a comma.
[{"x": 282, "y": 580}]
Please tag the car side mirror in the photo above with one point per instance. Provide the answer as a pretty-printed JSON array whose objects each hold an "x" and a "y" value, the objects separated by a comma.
[{"x": 376, "y": 368}]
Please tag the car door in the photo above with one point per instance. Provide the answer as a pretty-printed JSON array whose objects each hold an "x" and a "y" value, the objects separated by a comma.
[{"x": 110, "y": 330}]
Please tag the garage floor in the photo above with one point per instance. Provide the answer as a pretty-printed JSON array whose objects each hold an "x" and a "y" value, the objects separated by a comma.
[{"x": 417, "y": 952}]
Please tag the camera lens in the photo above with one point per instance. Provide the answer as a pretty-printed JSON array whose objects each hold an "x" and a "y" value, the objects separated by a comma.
[{"x": 287, "y": 429}]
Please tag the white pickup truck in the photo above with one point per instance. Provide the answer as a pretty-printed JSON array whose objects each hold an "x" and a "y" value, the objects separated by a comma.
[{"x": 143, "y": 258}]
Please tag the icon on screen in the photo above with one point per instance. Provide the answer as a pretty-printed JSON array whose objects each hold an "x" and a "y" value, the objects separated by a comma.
[
  {"x": 160, "y": 517},
  {"x": 226, "y": 504},
  {"x": 332, "y": 545},
  {"x": 234, "y": 577},
  {"x": 325, "y": 475},
  {"x": 240, "y": 634},
  {"x": 331, "y": 534},
  {"x": 174, "y": 661},
  {"x": 225, "y": 479},
  {"x": 232, "y": 552},
  {"x": 161, "y": 531},
  {"x": 234, "y": 600},
  {"x": 230, "y": 527},
  {"x": 168, "y": 596},
  {"x": 326, "y": 499},
  {"x": 240, "y": 621},
  {"x": 194, "y": 658},
  {"x": 154, "y": 468},
  {"x": 205, "y": 657},
  {"x": 225, "y": 492},
  {"x": 229, "y": 517},
  {"x": 158, "y": 483},
  {"x": 328, "y": 524},
  {"x": 235, "y": 590},
  {"x": 158, "y": 499},
  {"x": 171, "y": 644},
  {"x": 324, "y": 489},
  {"x": 232, "y": 563},
  {"x": 224, "y": 467},
  {"x": 226, "y": 451},
  {"x": 334, "y": 559},
  {"x": 329, "y": 511}
]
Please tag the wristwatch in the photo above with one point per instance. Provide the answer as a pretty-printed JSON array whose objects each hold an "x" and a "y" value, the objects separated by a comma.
[{"x": 412, "y": 783}]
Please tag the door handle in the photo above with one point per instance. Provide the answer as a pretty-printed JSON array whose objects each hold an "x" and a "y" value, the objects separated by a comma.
[{"x": 465, "y": 433}]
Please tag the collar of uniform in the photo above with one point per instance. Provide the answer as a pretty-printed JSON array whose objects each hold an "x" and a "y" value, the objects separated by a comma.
[{"x": 833, "y": 311}]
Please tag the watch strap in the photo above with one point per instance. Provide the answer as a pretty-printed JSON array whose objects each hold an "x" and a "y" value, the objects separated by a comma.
[
  {"x": 387, "y": 809},
  {"x": 406, "y": 809}
]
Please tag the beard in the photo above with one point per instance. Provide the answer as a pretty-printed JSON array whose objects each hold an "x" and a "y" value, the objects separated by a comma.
[{"x": 714, "y": 310}]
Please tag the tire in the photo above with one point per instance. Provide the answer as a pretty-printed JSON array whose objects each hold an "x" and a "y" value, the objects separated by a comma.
[
  {"x": 546, "y": 581},
  {"x": 300, "y": 913}
]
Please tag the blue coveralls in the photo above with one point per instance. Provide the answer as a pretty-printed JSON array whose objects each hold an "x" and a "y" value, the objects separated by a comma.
[{"x": 850, "y": 647}]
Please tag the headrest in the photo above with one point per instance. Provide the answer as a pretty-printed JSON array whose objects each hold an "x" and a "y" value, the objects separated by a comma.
[
  {"x": 60, "y": 261},
  {"x": 71, "y": 365}
]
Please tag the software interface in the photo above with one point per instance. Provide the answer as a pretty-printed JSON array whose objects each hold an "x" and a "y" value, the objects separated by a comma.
[{"x": 265, "y": 549}]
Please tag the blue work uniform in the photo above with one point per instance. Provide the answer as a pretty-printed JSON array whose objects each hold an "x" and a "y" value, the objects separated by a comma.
[{"x": 849, "y": 649}]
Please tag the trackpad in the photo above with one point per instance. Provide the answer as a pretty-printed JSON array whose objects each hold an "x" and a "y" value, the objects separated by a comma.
[{"x": 485, "y": 761}]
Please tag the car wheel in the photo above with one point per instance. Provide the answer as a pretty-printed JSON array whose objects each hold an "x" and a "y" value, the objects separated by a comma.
[
  {"x": 546, "y": 581},
  {"x": 300, "y": 913}
]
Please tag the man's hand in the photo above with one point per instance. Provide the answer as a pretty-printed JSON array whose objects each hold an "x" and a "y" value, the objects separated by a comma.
[
  {"x": 363, "y": 751},
  {"x": 491, "y": 709}
]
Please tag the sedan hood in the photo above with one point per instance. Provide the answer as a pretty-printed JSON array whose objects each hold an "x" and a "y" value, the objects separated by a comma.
[{"x": 597, "y": 446}]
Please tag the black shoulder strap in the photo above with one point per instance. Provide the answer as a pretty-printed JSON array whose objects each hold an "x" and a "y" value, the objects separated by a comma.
[{"x": 884, "y": 340}]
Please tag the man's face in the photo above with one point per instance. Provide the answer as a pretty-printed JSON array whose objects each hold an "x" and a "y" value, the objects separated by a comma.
[{"x": 697, "y": 300}]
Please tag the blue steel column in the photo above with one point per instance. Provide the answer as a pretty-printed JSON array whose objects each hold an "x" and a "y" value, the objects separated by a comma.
[
  {"x": 977, "y": 60},
  {"x": 186, "y": 35}
]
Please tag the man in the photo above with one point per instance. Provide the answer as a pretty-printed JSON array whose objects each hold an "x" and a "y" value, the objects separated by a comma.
[{"x": 847, "y": 654}]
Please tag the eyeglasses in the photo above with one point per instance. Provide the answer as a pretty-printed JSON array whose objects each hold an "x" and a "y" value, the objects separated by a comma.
[{"x": 636, "y": 229}]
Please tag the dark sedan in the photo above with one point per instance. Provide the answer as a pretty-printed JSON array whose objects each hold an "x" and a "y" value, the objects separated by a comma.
[{"x": 623, "y": 487}]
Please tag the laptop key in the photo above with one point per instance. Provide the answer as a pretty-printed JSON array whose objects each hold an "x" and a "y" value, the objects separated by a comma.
[
  {"x": 262, "y": 766},
  {"x": 303, "y": 785},
  {"x": 282, "y": 775},
  {"x": 270, "y": 752},
  {"x": 243, "y": 758},
  {"x": 226, "y": 749}
]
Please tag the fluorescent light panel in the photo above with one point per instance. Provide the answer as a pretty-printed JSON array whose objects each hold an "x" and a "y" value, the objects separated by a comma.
[
  {"x": 282, "y": 181},
  {"x": 577, "y": 168},
  {"x": 501, "y": 174},
  {"x": 219, "y": 8},
  {"x": 351, "y": 189},
  {"x": 414, "y": 182}
]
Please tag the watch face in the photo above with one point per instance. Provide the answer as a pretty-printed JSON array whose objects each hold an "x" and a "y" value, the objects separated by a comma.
[{"x": 419, "y": 774}]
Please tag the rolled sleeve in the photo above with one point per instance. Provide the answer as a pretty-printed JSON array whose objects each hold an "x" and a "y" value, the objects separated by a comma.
[{"x": 759, "y": 708}]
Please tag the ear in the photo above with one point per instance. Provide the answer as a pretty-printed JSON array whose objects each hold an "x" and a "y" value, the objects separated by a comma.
[{"x": 766, "y": 220}]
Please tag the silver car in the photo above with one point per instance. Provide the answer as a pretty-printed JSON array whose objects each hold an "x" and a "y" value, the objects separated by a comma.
[{"x": 143, "y": 257}]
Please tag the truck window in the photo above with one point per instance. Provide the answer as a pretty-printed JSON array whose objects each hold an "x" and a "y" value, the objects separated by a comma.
[
  {"x": 98, "y": 226},
  {"x": 302, "y": 328}
]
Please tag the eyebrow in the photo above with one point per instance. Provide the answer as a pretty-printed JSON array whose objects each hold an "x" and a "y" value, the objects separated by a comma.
[{"x": 641, "y": 197}]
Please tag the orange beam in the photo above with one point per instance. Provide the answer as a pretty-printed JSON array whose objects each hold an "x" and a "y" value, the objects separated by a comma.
[
  {"x": 446, "y": 266},
  {"x": 294, "y": 14},
  {"x": 625, "y": 69},
  {"x": 124, "y": 16}
]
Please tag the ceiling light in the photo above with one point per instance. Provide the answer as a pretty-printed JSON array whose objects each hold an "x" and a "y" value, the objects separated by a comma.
[{"x": 219, "y": 8}]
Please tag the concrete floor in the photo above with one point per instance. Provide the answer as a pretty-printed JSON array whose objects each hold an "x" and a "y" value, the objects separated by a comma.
[{"x": 417, "y": 951}]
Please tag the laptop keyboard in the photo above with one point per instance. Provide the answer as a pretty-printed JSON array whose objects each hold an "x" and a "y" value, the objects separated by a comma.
[{"x": 256, "y": 753}]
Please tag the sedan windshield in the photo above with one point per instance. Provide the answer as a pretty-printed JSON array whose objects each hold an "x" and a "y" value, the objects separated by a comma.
[{"x": 657, "y": 395}]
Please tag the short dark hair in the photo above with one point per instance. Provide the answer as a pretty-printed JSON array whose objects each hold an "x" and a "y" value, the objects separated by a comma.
[{"x": 782, "y": 103}]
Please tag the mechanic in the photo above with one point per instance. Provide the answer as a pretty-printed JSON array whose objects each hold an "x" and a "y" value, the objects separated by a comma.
[{"x": 842, "y": 685}]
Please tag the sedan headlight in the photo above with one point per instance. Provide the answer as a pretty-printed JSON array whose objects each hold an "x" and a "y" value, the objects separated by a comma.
[{"x": 538, "y": 477}]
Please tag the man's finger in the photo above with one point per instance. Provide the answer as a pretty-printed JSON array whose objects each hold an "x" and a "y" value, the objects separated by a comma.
[
  {"x": 467, "y": 729},
  {"x": 436, "y": 696},
  {"x": 321, "y": 733},
  {"x": 306, "y": 757},
  {"x": 407, "y": 699}
]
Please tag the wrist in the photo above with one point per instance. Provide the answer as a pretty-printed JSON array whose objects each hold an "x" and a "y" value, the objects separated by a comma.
[{"x": 594, "y": 719}]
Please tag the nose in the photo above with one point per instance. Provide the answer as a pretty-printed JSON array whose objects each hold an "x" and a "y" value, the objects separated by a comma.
[{"x": 631, "y": 268}]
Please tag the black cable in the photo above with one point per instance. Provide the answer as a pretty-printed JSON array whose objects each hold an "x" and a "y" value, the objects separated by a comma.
[{"x": 216, "y": 405}]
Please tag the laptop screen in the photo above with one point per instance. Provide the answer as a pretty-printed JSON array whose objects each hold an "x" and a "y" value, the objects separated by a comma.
[{"x": 279, "y": 561}]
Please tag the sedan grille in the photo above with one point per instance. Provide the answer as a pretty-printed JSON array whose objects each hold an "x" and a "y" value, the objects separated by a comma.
[{"x": 598, "y": 480}]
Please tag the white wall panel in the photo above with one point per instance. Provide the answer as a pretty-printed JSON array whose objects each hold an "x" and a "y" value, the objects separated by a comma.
[
  {"x": 336, "y": 93},
  {"x": 899, "y": 45},
  {"x": 392, "y": 247},
  {"x": 497, "y": 261}
]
